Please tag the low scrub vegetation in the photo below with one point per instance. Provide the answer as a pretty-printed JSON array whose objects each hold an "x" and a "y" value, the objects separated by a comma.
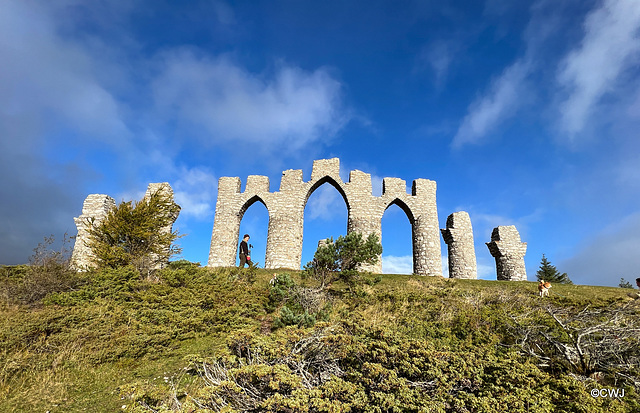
[{"x": 196, "y": 339}]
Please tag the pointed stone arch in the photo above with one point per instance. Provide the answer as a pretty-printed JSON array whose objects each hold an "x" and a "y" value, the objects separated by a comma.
[
  {"x": 331, "y": 181},
  {"x": 337, "y": 211},
  {"x": 404, "y": 207},
  {"x": 408, "y": 215},
  {"x": 249, "y": 203}
]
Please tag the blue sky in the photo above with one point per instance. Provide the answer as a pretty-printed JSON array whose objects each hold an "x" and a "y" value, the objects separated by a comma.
[{"x": 524, "y": 112}]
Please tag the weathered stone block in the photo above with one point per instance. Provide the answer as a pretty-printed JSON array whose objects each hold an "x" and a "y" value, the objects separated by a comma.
[
  {"x": 423, "y": 188},
  {"x": 95, "y": 208},
  {"x": 394, "y": 186},
  {"x": 325, "y": 167},
  {"x": 165, "y": 189},
  {"x": 459, "y": 237},
  {"x": 360, "y": 182},
  {"x": 228, "y": 184},
  {"x": 509, "y": 253},
  {"x": 291, "y": 180},
  {"x": 257, "y": 183}
]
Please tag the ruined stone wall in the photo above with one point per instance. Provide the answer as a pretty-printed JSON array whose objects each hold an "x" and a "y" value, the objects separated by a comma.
[
  {"x": 509, "y": 253},
  {"x": 95, "y": 209},
  {"x": 286, "y": 214},
  {"x": 462, "y": 254}
]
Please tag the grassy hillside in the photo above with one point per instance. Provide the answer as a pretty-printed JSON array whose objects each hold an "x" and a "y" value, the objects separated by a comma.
[{"x": 196, "y": 339}]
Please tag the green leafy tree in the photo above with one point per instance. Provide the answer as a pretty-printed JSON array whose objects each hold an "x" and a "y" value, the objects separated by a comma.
[
  {"x": 136, "y": 234},
  {"x": 550, "y": 273},
  {"x": 341, "y": 259}
]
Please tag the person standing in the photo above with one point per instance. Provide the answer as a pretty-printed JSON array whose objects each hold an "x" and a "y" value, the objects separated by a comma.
[{"x": 245, "y": 258}]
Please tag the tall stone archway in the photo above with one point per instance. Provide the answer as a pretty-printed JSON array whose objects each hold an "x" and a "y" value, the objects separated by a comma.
[{"x": 286, "y": 214}]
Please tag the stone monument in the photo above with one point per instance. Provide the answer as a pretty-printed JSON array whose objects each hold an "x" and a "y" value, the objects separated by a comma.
[
  {"x": 509, "y": 253},
  {"x": 462, "y": 254},
  {"x": 286, "y": 214},
  {"x": 96, "y": 207}
]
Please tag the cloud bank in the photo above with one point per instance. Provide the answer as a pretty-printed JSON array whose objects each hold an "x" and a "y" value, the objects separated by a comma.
[
  {"x": 285, "y": 111},
  {"x": 610, "y": 255}
]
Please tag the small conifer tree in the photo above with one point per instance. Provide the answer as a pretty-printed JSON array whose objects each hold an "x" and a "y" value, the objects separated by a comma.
[
  {"x": 136, "y": 234},
  {"x": 340, "y": 259},
  {"x": 550, "y": 273},
  {"x": 624, "y": 283}
]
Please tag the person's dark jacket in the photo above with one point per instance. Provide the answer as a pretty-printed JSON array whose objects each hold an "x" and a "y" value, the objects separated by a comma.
[{"x": 244, "y": 248}]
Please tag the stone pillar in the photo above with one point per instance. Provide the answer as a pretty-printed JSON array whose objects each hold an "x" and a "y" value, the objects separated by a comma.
[
  {"x": 509, "y": 253},
  {"x": 365, "y": 214},
  {"x": 284, "y": 240},
  {"x": 286, "y": 220},
  {"x": 426, "y": 230},
  {"x": 459, "y": 237},
  {"x": 226, "y": 225},
  {"x": 96, "y": 207}
]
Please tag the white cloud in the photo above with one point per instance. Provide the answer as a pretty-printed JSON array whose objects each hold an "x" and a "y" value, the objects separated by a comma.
[
  {"x": 194, "y": 188},
  {"x": 195, "y": 191},
  {"x": 284, "y": 111},
  {"x": 438, "y": 56},
  {"x": 611, "y": 44},
  {"x": 48, "y": 87},
  {"x": 45, "y": 77},
  {"x": 512, "y": 89},
  {"x": 501, "y": 102},
  {"x": 404, "y": 265},
  {"x": 609, "y": 255},
  {"x": 397, "y": 265}
]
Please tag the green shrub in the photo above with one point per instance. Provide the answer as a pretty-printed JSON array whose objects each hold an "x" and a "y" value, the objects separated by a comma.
[
  {"x": 289, "y": 318},
  {"x": 341, "y": 259},
  {"x": 48, "y": 272},
  {"x": 135, "y": 234},
  {"x": 300, "y": 306}
]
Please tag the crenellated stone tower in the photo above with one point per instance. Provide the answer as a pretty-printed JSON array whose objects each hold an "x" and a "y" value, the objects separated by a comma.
[
  {"x": 462, "y": 254},
  {"x": 509, "y": 253},
  {"x": 286, "y": 214}
]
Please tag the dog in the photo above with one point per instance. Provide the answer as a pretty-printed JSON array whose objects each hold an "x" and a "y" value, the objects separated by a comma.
[{"x": 543, "y": 287}]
